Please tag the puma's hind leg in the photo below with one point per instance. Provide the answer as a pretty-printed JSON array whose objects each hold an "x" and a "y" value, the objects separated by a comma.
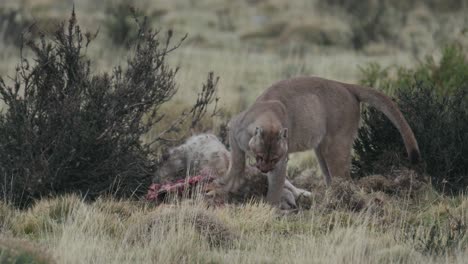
[
  {"x": 335, "y": 148},
  {"x": 337, "y": 156},
  {"x": 320, "y": 153}
]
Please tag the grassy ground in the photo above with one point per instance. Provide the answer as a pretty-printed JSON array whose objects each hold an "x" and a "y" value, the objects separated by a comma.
[
  {"x": 422, "y": 229},
  {"x": 249, "y": 44}
]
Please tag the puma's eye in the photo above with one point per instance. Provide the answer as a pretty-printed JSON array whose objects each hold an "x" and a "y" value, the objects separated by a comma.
[{"x": 259, "y": 158}]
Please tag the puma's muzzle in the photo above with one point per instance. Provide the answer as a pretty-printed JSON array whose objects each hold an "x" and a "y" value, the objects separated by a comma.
[
  {"x": 264, "y": 169},
  {"x": 265, "y": 166}
]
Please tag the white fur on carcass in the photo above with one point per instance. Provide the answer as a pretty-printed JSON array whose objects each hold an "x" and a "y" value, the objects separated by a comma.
[{"x": 205, "y": 151}]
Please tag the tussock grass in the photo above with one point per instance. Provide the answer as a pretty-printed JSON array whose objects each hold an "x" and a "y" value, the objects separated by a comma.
[
  {"x": 47, "y": 215},
  {"x": 17, "y": 251},
  {"x": 6, "y": 214},
  {"x": 393, "y": 229},
  {"x": 250, "y": 44}
]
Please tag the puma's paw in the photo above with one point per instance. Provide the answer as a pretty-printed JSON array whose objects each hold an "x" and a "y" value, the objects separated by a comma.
[
  {"x": 214, "y": 196},
  {"x": 231, "y": 184},
  {"x": 305, "y": 193},
  {"x": 213, "y": 189},
  {"x": 304, "y": 200},
  {"x": 288, "y": 200}
]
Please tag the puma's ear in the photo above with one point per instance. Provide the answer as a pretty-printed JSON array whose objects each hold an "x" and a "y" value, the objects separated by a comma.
[
  {"x": 258, "y": 131},
  {"x": 284, "y": 133}
]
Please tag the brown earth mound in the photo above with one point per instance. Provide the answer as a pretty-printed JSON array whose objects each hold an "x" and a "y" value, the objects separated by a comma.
[{"x": 369, "y": 192}]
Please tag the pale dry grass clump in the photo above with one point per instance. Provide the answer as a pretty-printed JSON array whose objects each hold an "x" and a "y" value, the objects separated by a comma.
[
  {"x": 16, "y": 251},
  {"x": 109, "y": 231},
  {"x": 7, "y": 214},
  {"x": 201, "y": 219},
  {"x": 124, "y": 209},
  {"x": 47, "y": 215}
]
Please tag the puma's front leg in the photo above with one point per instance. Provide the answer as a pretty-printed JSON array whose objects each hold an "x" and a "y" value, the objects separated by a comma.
[
  {"x": 235, "y": 176},
  {"x": 276, "y": 180}
]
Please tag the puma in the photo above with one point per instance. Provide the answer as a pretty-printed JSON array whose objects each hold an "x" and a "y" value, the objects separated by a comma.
[
  {"x": 305, "y": 113},
  {"x": 205, "y": 152}
]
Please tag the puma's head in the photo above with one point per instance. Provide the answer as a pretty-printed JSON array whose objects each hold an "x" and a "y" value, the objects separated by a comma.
[{"x": 269, "y": 147}]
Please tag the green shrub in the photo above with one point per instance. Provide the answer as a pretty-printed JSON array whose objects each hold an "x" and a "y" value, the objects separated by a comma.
[
  {"x": 434, "y": 99},
  {"x": 68, "y": 129}
]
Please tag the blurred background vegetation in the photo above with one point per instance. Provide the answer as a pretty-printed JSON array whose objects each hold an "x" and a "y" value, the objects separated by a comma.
[{"x": 252, "y": 43}]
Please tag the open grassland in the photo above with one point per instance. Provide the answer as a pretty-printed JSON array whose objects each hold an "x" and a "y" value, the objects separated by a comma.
[
  {"x": 424, "y": 229},
  {"x": 249, "y": 44}
]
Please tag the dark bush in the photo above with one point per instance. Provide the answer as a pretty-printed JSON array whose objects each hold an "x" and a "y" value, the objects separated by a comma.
[
  {"x": 68, "y": 129},
  {"x": 120, "y": 24},
  {"x": 12, "y": 22},
  {"x": 371, "y": 20},
  {"x": 382, "y": 20},
  {"x": 434, "y": 99},
  {"x": 360, "y": 8}
]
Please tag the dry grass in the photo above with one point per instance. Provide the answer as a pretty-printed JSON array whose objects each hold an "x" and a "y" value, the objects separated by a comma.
[
  {"x": 110, "y": 231},
  {"x": 23, "y": 251},
  {"x": 345, "y": 224},
  {"x": 250, "y": 45}
]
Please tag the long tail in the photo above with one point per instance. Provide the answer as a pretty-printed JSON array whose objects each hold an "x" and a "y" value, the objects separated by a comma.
[{"x": 384, "y": 104}]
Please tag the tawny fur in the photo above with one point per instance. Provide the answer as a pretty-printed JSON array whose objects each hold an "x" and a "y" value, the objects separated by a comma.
[
  {"x": 205, "y": 151},
  {"x": 305, "y": 113}
]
